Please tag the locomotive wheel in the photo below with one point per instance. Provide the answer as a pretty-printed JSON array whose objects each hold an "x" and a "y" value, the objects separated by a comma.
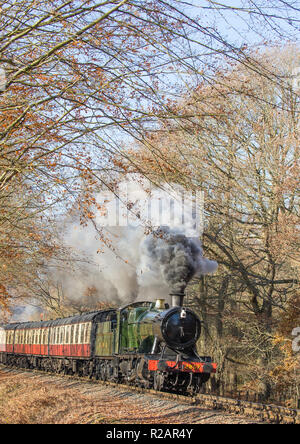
[
  {"x": 110, "y": 372},
  {"x": 158, "y": 381},
  {"x": 103, "y": 371}
]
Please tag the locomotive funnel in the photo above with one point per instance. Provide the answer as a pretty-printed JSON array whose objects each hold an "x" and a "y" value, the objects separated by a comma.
[{"x": 177, "y": 299}]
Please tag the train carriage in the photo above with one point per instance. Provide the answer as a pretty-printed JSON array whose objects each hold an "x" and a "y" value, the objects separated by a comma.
[{"x": 72, "y": 337}]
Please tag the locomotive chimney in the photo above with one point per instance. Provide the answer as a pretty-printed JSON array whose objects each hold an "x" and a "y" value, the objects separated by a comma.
[{"x": 177, "y": 299}]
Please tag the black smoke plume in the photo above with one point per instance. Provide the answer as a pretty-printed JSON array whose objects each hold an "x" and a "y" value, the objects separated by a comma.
[{"x": 176, "y": 257}]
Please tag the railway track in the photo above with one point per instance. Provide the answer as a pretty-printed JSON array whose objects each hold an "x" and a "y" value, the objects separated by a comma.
[
  {"x": 265, "y": 412},
  {"x": 269, "y": 413}
]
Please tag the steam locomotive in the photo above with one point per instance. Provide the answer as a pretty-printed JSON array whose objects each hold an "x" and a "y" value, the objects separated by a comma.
[{"x": 147, "y": 344}]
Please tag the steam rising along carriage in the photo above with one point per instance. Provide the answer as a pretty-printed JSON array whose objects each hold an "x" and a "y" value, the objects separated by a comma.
[{"x": 144, "y": 343}]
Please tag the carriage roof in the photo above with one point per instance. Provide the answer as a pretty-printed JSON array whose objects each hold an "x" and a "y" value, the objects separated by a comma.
[{"x": 99, "y": 316}]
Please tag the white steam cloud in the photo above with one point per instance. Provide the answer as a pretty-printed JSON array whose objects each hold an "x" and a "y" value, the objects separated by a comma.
[{"x": 131, "y": 265}]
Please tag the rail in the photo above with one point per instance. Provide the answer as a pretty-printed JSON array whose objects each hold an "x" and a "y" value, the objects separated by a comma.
[{"x": 270, "y": 413}]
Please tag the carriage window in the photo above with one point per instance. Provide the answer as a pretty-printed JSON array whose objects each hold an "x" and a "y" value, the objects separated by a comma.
[
  {"x": 82, "y": 333},
  {"x": 72, "y": 333},
  {"x": 76, "y": 334},
  {"x": 87, "y": 332},
  {"x": 79, "y": 334},
  {"x": 67, "y": 334}
]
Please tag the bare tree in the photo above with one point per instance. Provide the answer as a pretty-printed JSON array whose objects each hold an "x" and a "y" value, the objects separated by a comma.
[
  {"x": 238, "y": 141},
  {"x": 82, "y": 77}
]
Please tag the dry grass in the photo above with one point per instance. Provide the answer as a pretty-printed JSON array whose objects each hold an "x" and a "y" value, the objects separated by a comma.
[
  {"x": 26, "y": 400},
  {"x": 34, "y": 398}
]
